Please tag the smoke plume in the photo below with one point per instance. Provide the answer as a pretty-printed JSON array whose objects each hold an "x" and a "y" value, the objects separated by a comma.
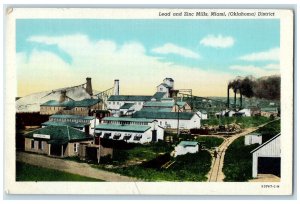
[{"x": 264, "y": 88}]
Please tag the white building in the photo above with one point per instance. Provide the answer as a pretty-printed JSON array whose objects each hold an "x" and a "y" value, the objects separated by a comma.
[
  {"x": 266, "y": 158},
  {"x": 203, "y": 114},
  {"x": 245, "y": 112},
  {"x": 185, "y": 147},
  {"x": 172, "y": 119},
  {"x": 166, "y": 105},
  {"x": 129, "y": 103},
  {"x": 83, "y": 123},
  {"x": 253, "y": 138},
  {"x": 130, "y": 133}
]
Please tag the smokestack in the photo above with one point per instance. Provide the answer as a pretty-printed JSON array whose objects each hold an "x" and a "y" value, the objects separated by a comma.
[
  {"x": 88, "y": 88},
  {"x": 116, "y": 87},
  {"x": 235, "y": 98},
  {"x": 241, "y": 100},
  {"x": 228, "y": 102},
  {"x": 63, "y": 96}
]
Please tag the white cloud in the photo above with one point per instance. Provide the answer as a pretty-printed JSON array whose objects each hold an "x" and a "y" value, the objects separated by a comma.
[
  {"x": 170, "y": 48},
  {"x": 267, "y": 70},
  {"x": 217, "y": 41},
  {"x": 105, "y": 61},
  {"x": 269, "y": 55}
]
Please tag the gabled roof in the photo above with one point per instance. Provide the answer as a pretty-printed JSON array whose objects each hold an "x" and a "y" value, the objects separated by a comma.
[
  {"x": 123, "y": 128},
  {"x": 158, "y": 104},
  {"x": 72, "y": 104},
  {"x": 170, "y": 79},
  {"x": 60, "y": 134},
  {"x": 72, "y": 117},
  {"x": 165, "y": 85},
  {"x": 127, "y": 105},
  {"x": 123, "y": 119},
  {"x": 163, "y": 115},
  {"x": 159, "y": 95},
  {"x": 71, "y": 124},
  {"x": 267, "y": 142},
  {"x": 156, "y": 109},
  {"x": 129, "y": 98}
]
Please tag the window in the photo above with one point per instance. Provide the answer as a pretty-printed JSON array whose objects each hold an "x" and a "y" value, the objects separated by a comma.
[
  {"x": 117, "y": 103},
  {"x": 113, "y": 103},
  {"x": 160, "y": 123},
  {"x": 40, "y": 146},
  {"x": 161, "y": 89},
  {"x": 75, "y": 147},
  {"x": 32, "y": 144}
]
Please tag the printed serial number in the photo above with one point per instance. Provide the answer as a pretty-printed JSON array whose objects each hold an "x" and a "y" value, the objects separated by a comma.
[{"x": 270, "y": 186}]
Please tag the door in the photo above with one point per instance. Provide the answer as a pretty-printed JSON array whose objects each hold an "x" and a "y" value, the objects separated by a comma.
[
  {"x": 154, "y": 135},
  {"x": 269, "y": 165}
]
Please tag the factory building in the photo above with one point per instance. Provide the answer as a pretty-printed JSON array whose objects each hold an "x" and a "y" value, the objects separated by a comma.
[
  {"x": 166, "y": 105},
  {"x": 62, "y": 141},
  {"x": 172, "y": 120},
  {"x": 131, "y": 130},
  {"x": 266, "y": 158},
  {"x": 69, "y": 107},
  {"x": 167, "y": 87},
  {"x": 83, "y": 123},
  {"x": 128, "y": 103}
]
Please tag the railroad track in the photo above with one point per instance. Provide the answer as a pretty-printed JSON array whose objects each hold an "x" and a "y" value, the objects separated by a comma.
[{"x": 216, "y": 174}]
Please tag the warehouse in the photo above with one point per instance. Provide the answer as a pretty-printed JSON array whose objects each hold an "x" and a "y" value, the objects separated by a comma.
[
  {"x": 83, "y": 123},
  {"x": 130, "y": 133},
  {"x": 62, "y": 141},
  {"x": 172, "y": 119},
  {"x": 166, "y": 105},
  {"x": 266, "y": 158},
  {"x": 127, "y": 102},
  {"x": 70, "y": 107}
]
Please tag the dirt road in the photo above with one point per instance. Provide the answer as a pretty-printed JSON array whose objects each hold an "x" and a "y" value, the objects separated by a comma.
[
  {"x": 82, "y": 169},
  {"x": 216, "y": 174}
]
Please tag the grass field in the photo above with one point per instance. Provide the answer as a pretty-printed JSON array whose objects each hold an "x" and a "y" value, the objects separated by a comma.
[
  {"x": 238, "y": 159},
  {"x": 189, "y": 167},
  {"x": 27, "y": 172}
]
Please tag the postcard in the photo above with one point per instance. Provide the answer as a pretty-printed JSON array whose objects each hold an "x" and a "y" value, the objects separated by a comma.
[{"x": 149, "y": 101}]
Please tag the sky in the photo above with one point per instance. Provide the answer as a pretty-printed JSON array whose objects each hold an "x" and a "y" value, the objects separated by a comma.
[{"x": 199, "y": 54}]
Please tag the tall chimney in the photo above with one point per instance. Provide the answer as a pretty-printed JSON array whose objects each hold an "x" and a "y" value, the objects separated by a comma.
[
  {"x": 241, "y": 100},
  {"x": 88, "y": 88},
  {"x": 116, "y": 87},
  {"x": 63, "y": 96},
  {"x": 228, "y": 102},
  {"x": 235, "y": 98}
]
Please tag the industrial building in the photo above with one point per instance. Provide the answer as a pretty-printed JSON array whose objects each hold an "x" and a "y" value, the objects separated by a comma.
[
  {"x": 266, "y": 158},
  {"x": 166, "y": 105},
  {"x": 173, "y": 120},
  {"x": 83, "y": 123},
  {"x": 83, "y": 107},
  {"x": 131, "y": 133},
  {"x": 62, "y": 141}
]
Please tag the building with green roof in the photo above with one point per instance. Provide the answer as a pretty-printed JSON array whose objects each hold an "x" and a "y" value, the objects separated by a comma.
[
  {"x": 83, "y": 123},
  {"x": 82, "y": 107},
  {"x": 185, "y": 147},
  {"x": 56, "y": 140}
]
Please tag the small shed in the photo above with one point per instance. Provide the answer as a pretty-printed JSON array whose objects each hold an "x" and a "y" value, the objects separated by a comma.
[
  {"x": 253, "y": 138},
  {"x": 185, "y": 147},
  {"x": 266, "y": 158}
]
